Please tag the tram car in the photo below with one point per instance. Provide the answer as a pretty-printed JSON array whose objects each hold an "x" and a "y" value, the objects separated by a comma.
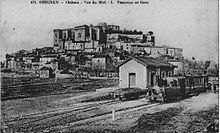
[
  {"x": 178, "y": 88},
  {"x": 129, "y": 93}
]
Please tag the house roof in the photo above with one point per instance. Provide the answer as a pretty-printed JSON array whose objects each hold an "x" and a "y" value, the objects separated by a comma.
[
  {"x": 49, "y": 55},
  {"x": 157, "y": 46},
  {"x": 70, "y": 54},
  {"x": 172, "y": 60},
  {"x": 99, "y": 56},
  {"x": 46, "y": 68},
  {"x": 149, "y": 62},
  {"x": 81, "y": 26}
]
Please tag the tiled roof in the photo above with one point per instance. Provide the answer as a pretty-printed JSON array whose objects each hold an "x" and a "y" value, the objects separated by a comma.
[
  {"x": 99, "y": 56},
  {"x": 81, "y": 26},
  {"x": 149, "y": 62},
  {"x": 46, "y": 68}
]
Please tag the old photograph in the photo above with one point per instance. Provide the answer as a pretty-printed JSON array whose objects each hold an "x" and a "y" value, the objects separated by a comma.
[{"x": 109, "y": 66}]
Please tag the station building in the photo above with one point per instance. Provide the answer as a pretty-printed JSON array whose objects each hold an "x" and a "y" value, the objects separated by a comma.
[{"x": 143, "y": 72}]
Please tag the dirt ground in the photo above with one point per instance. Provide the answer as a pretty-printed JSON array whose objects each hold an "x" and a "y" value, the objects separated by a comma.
[
  {"x": 27, "y": 87},
  {"x": 20, "y": 107},
  {"x": 189, "y": 115}
]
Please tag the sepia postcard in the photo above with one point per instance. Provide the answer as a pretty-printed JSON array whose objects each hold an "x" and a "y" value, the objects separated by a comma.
[{"x": 109, "y": 66}]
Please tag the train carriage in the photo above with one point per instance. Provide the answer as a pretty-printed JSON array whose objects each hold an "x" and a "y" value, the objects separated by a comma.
[{"x": 178, "y": 88}]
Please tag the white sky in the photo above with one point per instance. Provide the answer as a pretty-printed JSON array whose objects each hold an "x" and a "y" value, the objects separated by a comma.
[{"x": 188, "y": 24}]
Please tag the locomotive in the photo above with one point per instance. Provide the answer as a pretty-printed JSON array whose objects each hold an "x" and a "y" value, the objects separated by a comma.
[{"x": 179, "y": 87}]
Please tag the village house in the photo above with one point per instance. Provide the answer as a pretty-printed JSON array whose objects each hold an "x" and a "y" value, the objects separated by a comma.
[
  {"x": 47, "y": 58},
  {"x": 69, "y": 45},
  {"x": 149, "y": 38},
  {"x": 101, "y": 61},
  {"x": 101, "y": 64},
  {"x": 28, "y": 59},
  {"x": 156, "y": 51},
  {"x": 114, "y": 27},
  {"x": 127, "y": 46},
  {"x": 178, "y": 53},
  {"x": 153, "y": 51},
  {"x": 143, "y": 72},
  {"x": 118, "y": 45},
  {"x": 137, "y": 48},
  {"x": 99, "y": 49},
  {"x": 117, "y": 60},
  {"x": 36, "y": 65},
  {"x": 91, "y": 46},
  {"x": 175, "y": 53},
  {"x": 47, "y": 72},
  {"x": 11, "y": 63},
  {"x": 179, "y": 69},
  {"x": 71, "y": 58}
]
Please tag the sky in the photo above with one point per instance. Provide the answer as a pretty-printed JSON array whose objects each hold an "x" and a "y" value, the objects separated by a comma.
[{"x": 188, "y": 24}]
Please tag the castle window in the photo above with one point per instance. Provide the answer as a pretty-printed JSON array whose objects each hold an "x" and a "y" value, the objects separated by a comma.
[
  {"x": 64, "y": 35},
  {"x": 163, "y": 74},
  {"x": 56, "y": 35},
  {"x": 79, "y": 35}
]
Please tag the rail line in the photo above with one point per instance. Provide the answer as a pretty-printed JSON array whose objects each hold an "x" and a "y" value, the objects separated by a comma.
[
  {"x": 63, "y": 115},
  {"x": 68, "y": 117},
  {"x": 24, "y": 84},
  {"x": 103, "y": 114},
  {"x": 37, "y": 89},
  {"x": 31, "y": 116}
]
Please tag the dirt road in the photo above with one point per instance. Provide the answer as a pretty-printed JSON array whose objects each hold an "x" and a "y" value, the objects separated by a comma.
[
  {"x": 188, "y": 115},
  {"x": 184, "y": 116}
]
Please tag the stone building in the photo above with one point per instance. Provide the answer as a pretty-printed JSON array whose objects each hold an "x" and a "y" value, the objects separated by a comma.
[
  {"x": 143, "y": 72},
  {"x": 82, "y": 37},
  {"x": 101, "y": 61},
  {"x": 47, "y": 72}
]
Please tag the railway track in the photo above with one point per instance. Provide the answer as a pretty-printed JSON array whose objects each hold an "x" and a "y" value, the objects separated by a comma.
[
  {"x": 65, "y": 83},
  {"x": 40, "y": 120},
  {"x": 45, "y": 88},
  {"x": 57, "y": 128},
  {"x": 68, "y": 117},
  {"x": 57, "y": 111}
]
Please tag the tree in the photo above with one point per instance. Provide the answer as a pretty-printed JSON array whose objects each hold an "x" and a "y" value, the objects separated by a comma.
[
  {"x": 193, "y": 67},
  {"x": 7, "y": 56},
  {"x": 97, "y": 67},
  {"x": 135, "y": 32},
  {"x": 213, "y": 69},
  {"x": 207, "y": 64},
  {"x": 81, "y": 59},
  {"x": 150, "y": 33},
  {"x": 63, "y": 64}
]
